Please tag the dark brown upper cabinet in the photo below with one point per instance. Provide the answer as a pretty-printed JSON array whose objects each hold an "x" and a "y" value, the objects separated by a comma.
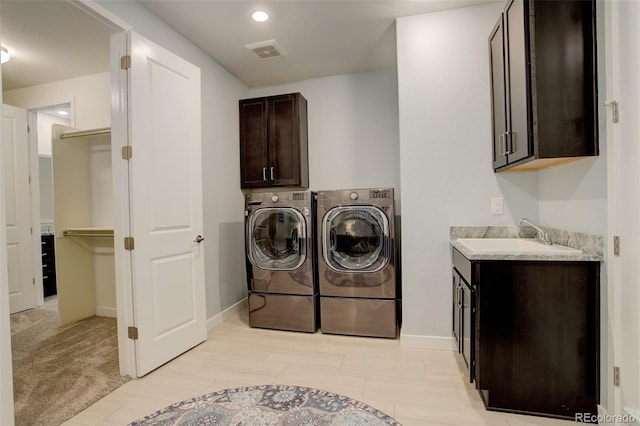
[
  {"x": 543, "y": 84},
  {"x": 273, "y": 142}
]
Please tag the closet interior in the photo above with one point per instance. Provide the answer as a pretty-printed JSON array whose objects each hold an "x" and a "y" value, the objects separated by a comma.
[{"x": 83, "y": 212}]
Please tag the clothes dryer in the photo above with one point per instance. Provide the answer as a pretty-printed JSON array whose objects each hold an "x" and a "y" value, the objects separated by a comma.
[
  {"x": 356, "y": 262},
  {"x": 281, "y": 260}
]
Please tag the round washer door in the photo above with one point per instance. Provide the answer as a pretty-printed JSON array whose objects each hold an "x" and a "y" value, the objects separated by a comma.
[
  {"x": 276, "y": 239},
  {"x": 355, "y": 239}
]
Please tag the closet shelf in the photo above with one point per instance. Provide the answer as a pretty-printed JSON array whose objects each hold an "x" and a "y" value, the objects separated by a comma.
[{"x": 88, "y": 232}]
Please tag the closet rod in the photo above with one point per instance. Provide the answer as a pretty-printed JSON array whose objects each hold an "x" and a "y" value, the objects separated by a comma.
[
  {"x": 86, "y": 233},
  {"x": 78, "y": 133}
]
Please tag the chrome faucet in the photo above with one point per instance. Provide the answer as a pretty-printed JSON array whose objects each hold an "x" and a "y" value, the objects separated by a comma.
[{"x": 541, "y": 236}]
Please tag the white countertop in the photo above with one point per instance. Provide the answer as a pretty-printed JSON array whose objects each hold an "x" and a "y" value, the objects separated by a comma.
[{"x": 518, "y": 249}]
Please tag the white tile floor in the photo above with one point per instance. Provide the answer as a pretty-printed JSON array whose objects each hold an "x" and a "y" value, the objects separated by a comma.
[{"x": 416, "y": 387}]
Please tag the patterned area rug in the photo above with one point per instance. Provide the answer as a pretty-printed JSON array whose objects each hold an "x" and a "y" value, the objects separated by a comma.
[{"x": 268, "y": 405}]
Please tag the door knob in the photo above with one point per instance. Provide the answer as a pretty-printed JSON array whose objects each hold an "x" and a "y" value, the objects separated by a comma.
[{"x": 199, "y": 239}]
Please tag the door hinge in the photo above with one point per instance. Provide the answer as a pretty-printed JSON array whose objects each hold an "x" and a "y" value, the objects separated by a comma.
[
  {"x": 615, "y": 110},
  {"x": 125, "y": 62},
  {"x": 616, "y": 376},
  {"x": 129, "y": 243},
  {"x": 616, "y": 245},
  {"x": 127, "y": 152},
  {"x": 133, "y": 333}
]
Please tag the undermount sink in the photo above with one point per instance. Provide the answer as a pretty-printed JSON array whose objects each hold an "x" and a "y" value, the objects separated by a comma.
[{"x": 514, "y": 246}]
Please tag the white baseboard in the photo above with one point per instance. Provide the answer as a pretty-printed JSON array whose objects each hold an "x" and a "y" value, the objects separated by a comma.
[
  {"x": 602, "y": 412},
  {"x": 218, "y": 319},
  {"x": 102, "y": 311},
  {"x": 427, "y": 342}
]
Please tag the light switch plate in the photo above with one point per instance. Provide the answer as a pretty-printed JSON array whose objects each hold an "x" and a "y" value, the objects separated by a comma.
[{"x": 497, "y": 205}]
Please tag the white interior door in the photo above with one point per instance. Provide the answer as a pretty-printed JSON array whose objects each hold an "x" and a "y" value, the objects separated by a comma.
[
  {"x": 166, "y": 204},
  {"x": 22, "y": 289}
]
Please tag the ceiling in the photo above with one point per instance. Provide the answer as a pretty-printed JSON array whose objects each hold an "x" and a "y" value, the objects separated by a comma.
[
  {"x": 53, "y": 40},
  {"x": 50, "y": 41}
]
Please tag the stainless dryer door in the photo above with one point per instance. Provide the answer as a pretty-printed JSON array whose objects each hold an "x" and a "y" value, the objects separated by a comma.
[
  {"x": 277, "y": 239},
  {"x": 356, "y": 239}
]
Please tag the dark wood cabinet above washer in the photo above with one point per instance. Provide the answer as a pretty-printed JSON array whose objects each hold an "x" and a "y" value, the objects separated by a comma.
[
  {"x": 543, "y": 84},
  {"x": 273, "y": 142}
]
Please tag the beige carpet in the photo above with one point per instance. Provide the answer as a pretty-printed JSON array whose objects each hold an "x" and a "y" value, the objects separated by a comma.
[{"x": 59, "y": 371}]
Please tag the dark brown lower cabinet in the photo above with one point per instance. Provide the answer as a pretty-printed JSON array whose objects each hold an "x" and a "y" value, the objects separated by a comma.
[
  {"x": 48, "y": 265},
  {"x": 537, "y": 336}
]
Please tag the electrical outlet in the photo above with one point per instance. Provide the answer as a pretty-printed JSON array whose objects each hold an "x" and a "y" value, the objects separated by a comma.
[{"x": 497, "y": 205}]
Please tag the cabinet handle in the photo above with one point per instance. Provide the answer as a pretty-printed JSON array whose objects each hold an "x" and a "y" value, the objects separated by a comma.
[
  {"x": 460, "y": 296},
  {"x": 507, "y": 143},
  {"x": 512, "y": 137},
  {"x": 264, "y": 174},
  {"x": 502, "y": 145},
  {"x": 273, "y": 173}
]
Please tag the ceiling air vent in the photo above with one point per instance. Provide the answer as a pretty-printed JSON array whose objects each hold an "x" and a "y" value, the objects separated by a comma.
[{"x": 267, "y": 49}]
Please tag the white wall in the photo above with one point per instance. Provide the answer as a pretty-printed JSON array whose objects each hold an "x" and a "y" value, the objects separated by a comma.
[
  {"x": 222, "y": 198},
  {"x": 574, "y": 196},
  {"x": 353, "y": 129},
  {"x": 102, "y": 216},
  {"x": 45, "y": 121},
  {"x": 90, "y": 99},
  {"x": 445, "y": 158}
]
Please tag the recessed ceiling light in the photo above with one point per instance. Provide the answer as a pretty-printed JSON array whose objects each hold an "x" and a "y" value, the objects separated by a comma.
[
  {"x": 260, "y": 16},
  {"x": 5, "y": 55},
  {"x": 61, "y": 112}
]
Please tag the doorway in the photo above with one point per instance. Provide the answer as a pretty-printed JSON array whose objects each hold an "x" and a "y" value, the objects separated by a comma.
[
  {"x": 68, "y": 342},
  {"x": 158, "y": 213},
  {"x": 43, "y": 100}
]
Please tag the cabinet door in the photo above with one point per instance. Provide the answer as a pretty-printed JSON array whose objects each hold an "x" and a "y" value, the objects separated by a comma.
[
  {"x": 253, "y": 143},
  {"x": 468, "y": 325},
  {"x": 498, "y": 95},
  {"x": 539, "y": 336},
  {"x": 566, "y": 94},
  {"x": 284, "y": 141},
  {"x": 516, "y": 27},
  {"x": 457, "y": 323}
]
